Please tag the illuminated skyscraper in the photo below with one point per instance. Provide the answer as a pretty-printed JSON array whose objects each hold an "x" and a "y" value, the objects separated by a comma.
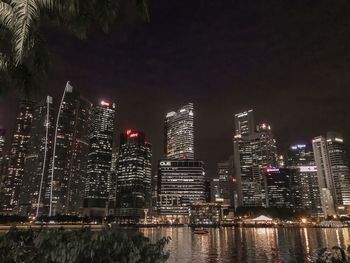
[
  {"x": 71, "y": 147},
  {"x": 300, "y": 155},
  {"x": 181, "y": 183},
  {"x": 15, "y": 171},
  {"x": 2, "y": 151},
  {"x": 134, "y": 174},
  {"x": 98, "y": 183},
  {"x": 305, "y": 187},
  {"x": 181, "y": 179},
  {"x": 34, "y": 195},
  {"x": 339, "y": 168},
  {"x": 277, "y": 187},
  {"x": 254, "y": 151},
  {"x": 179, "y": 134},
  {"x": 222, "y": 184},
  {"x": 324, "y": 175},
  {"x": 244, "y": 123}
]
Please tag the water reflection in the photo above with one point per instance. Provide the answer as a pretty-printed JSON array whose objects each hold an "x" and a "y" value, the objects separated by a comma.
[{"x": 248, "y": 244}]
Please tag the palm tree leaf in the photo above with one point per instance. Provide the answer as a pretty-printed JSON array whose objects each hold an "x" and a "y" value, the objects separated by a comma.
[
  {"x": 47, "y": 4},
  {"x": 106, "y": 12},
  {"x": 143, "y": 7},
  {"x": 7, "y": 15},
  {"x": 27, "y": 12},
  {"x": 3, "y": 62}
]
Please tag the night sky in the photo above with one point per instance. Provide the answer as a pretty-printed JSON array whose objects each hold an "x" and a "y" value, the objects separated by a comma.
[{"x": 287, "y": 60}]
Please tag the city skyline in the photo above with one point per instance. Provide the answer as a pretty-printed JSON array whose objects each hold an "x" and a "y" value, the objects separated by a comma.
[
  {"x": 210, "y": 164},
  {"x": 251, "y": 57},
  {"x": 175, "y": 131}
]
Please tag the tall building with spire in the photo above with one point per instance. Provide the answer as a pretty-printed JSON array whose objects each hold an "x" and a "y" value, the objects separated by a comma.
[
  {"x": 98, "y": 185},
  {"x": 71, "y": 147},
  {"x": 179, "y": 133},
  {"x": 34, "y": 194},
  {"x": 14, "y": 174},
  {"x": 134, "y": 174}
]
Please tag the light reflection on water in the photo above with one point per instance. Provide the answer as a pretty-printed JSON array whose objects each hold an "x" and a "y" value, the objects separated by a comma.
[{"x": 248, "y": 244}]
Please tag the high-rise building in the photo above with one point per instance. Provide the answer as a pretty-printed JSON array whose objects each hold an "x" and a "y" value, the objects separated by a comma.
[
  {"x": 2, "y": 151},
  {"x": 254, "y": 150},
  {"x": 181, "y": 179},
  {"x": 277, "y": 188},
  {"x": 264, "y": 150},
  {"x": 99, "y": 182},
  {"x": 339, "y": 168},
  {"x": 181, "y": 183},
  {"x": 222, "y": 184},
  {"x": 309, "y": 190},
  {"x": 300, "y": 155},
  {"x": 179, "y": 134},
  {"x": 324, "y": 175},
  {"x": 15, "y": 170},
  {"x": 301, "y": 158},
  {"x": 34, "y": 195},
  {"x": 134, "y": 174},
  {"x": 244, "y": 123},
  {"x": 71, "y": 148}
]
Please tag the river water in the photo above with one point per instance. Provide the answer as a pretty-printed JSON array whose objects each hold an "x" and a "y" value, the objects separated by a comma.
[{"x": 248, "y": 244}]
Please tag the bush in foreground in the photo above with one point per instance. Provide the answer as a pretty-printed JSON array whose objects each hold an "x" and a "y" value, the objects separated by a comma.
[
  {"x": 78, "y": 246},
  {"x": 333, "y": 255}
]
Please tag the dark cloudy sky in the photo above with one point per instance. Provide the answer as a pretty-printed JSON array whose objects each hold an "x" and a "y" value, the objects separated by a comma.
[{"x": 288, "y": 60}]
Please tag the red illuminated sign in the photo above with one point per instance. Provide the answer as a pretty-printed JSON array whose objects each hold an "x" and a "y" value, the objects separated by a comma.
[
  {"x": 234, "y": 180},
  {"x": 128, "y": 132},
  {"x": 133, "y": 135},
  {"x": 104, "y": 103},
  {"x": 272, "y": 170}
]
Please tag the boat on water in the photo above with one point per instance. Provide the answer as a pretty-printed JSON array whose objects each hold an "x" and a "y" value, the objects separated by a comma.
[{"x": 200, "y": 231}]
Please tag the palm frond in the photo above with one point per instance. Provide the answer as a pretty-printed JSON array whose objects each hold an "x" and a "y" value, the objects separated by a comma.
[
  {"x": 3, "y": 62},
  {"x": 7, "y": 15},
  {"x": 27, "y": 12},
  {"x": 106, "y": 12},
  {"x": 143, "y": 6},
  {"x": 47, "y": 4}
]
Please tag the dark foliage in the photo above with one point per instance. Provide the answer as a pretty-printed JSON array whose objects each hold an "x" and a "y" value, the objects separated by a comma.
[
  {"x": 81, "y": 246},
  {"x": 6, "y": 219}
]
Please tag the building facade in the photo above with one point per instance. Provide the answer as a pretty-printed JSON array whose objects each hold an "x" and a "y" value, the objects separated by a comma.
[
  {"x": 301, "y": 158},
  {"x": 180, "y": 183},
  {"x": 206, "y": 214},
  {"x": 34, "y": 195},
  {"x": 254, "y": 150},
  {"x": 339, "y": 168},
  {"x": 15, "y": 170},
  {"x": 99, "y": 182},
  {"x": 244, "y": 123},
  {"x": 2, "y": 153},
  {"x": 324, "y": 175},
  {"x": 277, "y": 187},
  {"x": 134, "y": 175},
  {"x": 222, "y": 184},
  {"x": 179, "y": 133},
  {"x": 71, "y": 150}
]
